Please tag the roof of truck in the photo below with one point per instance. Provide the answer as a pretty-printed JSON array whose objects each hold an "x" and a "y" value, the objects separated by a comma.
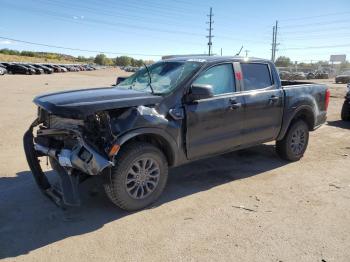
[{"x": 216, "y": 59}]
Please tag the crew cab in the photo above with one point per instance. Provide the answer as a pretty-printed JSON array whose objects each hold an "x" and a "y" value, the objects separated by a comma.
[{"x": 170, "y": 113}]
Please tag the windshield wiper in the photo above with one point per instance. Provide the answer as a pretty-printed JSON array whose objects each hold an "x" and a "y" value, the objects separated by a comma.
[{"x": 150, "y": 79}]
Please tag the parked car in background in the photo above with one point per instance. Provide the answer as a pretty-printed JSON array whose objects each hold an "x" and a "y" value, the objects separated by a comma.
[
  {"x": 63, "y": 69},
  {"x": 343, "y": 77},
  {"x": 54, "y": 67},
  {"x": 5, "y": 64},
  {"x": 20, "y": 69},
  {"x": 131, "y": 68},
  {"x": 174, "y": 112},
  {"x": 284, "y": 75},
  {"x": 310, "y": 75},
  {"x": 297, "y": 76},
  {"x": 321, "y": 75},
  {"x": 45, "y": 68},
  {"x": 34, "y": 68},
  {"x": 345, "y": 111},
  {"x": 66, "y": 67},
  {"x": 38, "y": 71},
  {"x": 3, "y": 70},
  {"x": 89, "y": 68}
]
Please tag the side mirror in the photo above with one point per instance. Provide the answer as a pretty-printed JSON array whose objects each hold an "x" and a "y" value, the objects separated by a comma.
[
  {"x": 200, "y": 91},
  {"x": 120, "y": 79}
]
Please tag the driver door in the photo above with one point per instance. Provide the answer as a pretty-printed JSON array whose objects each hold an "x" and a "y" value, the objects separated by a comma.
[{"x": 214, "y": 124}]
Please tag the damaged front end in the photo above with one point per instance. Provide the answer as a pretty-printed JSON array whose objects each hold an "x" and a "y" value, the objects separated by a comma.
[{"x": 76, "y": 149}]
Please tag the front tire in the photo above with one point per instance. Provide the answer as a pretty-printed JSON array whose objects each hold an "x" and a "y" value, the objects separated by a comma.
[
  {"x": 138, "y": 177},
  {"x": 345, "y": 111},
  {"x": 293, "y": 146}
]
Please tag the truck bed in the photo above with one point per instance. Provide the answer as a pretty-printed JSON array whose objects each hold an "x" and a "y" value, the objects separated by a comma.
[{"x": 294, "y": 82}]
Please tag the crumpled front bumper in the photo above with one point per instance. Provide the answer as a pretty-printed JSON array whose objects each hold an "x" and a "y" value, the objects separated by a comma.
[{"x": 82, "y": 158}]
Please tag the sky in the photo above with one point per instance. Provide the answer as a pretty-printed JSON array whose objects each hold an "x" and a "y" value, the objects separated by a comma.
[{"x": 148, "y": 29}]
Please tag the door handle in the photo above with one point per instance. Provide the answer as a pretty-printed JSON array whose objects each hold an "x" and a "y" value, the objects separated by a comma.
[
  {"x": 234, "y": 104},
  {"x": 274, "y": 98}
]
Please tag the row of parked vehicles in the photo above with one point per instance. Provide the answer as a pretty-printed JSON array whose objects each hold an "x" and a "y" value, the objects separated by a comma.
[
  {"x": 286, "y": 75},
  {"x": 130, "y": 68},
  {"x": 37, "y": 69}
]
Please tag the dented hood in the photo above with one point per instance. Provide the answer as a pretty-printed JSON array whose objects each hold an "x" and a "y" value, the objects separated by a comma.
[{"x": 84, "y": 102}]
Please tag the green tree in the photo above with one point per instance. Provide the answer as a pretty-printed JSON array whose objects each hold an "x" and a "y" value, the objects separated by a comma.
[
  {"x": 28, "y": 53},
  {"x": 101, "y": 59},
  {"x": 122, "y": 61},
  {"x": 283, "y": 61},
  {"x": 344, "y": 65}
]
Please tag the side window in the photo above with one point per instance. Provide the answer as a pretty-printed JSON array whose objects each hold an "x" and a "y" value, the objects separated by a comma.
[
  {"x": 255, "y": 76},
  {"x": 220, "y": 77}
]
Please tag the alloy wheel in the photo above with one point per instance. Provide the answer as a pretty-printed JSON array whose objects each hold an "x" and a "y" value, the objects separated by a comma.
[{"x": 142, "y": 178}]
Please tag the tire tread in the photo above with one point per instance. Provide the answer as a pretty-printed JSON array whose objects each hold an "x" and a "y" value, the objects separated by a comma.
[{"x": 115, "y": 187}]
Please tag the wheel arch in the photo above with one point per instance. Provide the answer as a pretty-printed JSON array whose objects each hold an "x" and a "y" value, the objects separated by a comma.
[
  {"x": 304, "y": 113},
  {"x": 156, "y": 137}
]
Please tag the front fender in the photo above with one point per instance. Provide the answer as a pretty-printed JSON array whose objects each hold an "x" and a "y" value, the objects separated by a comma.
[{"x": 172, "y": 146}]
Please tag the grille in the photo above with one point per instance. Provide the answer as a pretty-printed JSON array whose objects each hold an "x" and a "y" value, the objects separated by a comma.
[{"x": 64, "y": 123}]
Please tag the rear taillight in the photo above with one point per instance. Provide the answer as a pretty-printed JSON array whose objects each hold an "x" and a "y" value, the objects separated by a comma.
[{"x": 328, "y": 94}]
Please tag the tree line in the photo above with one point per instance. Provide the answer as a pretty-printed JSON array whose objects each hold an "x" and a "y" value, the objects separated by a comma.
[
  {"x": 100, "y": 59},
  {"x": 284, "y": 61},
  {"x": 44, "y": 55}
]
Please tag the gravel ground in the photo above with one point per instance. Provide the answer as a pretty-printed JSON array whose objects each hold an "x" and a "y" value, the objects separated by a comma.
[{"x": 243, "y": 206}]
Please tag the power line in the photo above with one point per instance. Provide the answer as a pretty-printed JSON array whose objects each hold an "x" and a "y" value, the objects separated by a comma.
[
  {"x": 86, "y": 20},
  {"x": 98, "y": 12},
  {"x": 316, "y": 47},
  {"x": 332, "y": 29},
  {"x": 125, "y": 6},
  {"x": 316, "y": 16},
  {"x": 117, "y": 24},
  {"x": 75, "y": 49},
  {"x": 318, "y": 23},
  {"x": 327, "y": 36}
]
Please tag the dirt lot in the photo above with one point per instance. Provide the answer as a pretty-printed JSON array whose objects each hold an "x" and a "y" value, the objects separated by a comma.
[{"x": 294, "y": 211}]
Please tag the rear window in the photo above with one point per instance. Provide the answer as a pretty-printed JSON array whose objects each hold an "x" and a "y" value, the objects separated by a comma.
[{"x": 256, "y": 76}]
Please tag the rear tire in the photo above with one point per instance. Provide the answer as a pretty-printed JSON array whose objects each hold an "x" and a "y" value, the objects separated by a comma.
[
  {"x": 345, "y": 111},
  {"x": 293, "y": 146},
  {"x": 138, "y": 177}
]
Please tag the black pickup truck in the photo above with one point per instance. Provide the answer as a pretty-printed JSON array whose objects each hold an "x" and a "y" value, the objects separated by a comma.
[{"x": 170, "y": 113}]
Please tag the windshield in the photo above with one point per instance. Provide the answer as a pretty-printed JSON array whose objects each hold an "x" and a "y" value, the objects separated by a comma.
[{"x": 165, "y": 76}]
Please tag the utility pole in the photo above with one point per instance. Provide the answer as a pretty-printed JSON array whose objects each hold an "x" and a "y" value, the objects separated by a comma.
[
  {"x": 274, "y": 41},
  {"x": 246, "y": 52},
  {"x": 221, "y": 51},
  {"x": 210, "y": 29},
  {"x": 273, "y": 44},
  {"x": 276, "y": 44}
]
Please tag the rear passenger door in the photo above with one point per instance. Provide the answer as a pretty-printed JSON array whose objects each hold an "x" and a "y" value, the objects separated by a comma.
[{"x": 263, "y": 101}]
